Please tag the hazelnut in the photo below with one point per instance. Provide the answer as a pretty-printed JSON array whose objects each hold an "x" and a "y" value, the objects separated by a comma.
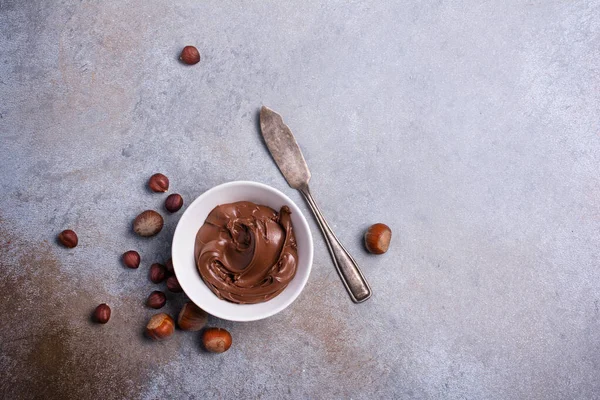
[
  {"x": 173, "y": 284},
  {"x": 191, "y": 317},
  {"x": 158, "y": 183},
  {"x": 169, "y": 267},
  {"x": 157, "y": 273},
  {"x": 377, "y": 238},
  {"x": 68, "y": 238},
  {"x": 131, "y": 259},
  {"x": 157, "y": 299},
  {"x": 174, "y": 202},
  {"x": 216, "y": 340},
  {"x": 190, "y": 55},
  {"x": 102, "y": 313},
  {"x": 160, "y": 326},
  {"x": 148, "y": 223}
]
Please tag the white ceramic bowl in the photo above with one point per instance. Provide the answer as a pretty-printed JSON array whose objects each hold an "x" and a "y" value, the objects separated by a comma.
[{"x": 184, "y": 241}]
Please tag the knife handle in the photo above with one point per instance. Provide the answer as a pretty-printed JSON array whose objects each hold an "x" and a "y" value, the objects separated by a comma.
[{"x": 353, "y": 279}]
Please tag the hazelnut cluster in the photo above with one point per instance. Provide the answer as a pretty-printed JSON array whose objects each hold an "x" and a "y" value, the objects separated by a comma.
[
  {"x": 191, "y": 318},
  {"x": 160, "y": 326}
]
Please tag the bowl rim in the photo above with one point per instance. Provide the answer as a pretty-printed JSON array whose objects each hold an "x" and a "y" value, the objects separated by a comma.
[{"x": 303, "y": 222}]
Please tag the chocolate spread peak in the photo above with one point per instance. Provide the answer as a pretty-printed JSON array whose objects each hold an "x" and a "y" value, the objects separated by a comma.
[{"x": 246, "y": 253}]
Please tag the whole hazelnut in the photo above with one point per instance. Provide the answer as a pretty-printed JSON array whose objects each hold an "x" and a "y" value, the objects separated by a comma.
[
  {"x": 169, "y": 267},
  {"x": 191, "y": 317},
  {"x": 216, "y": 340},
  {"x": 157, "y": 299},
  {"x": 102, "y": 313},
  {"x": 148, "y": 223},
  {"x": 173, "y": 284},
  {"x": 158, "y": 183},
  {"x": 377, "y": 238},
  {"x": 174, "y": 202},
  {"x": 157, "y": 273},
  {"x": 160, "y": 326},
  {"x": 131, "y": 259},
  {"x": 190, "y": 55},
  {"x": 68, "y": 238}
]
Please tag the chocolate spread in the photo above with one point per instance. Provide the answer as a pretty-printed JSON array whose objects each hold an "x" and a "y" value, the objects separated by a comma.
[{"x": 246, "y": 253}]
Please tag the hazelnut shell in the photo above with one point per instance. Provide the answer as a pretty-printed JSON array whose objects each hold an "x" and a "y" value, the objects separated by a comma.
[
  {"x": 148, "y": 223},
  {"x": 174, "y": 202},
  {"x": 216, "y": 340},
  {"x": 102, "y": 313},
  {"x": 190, "y": 55},
  {"x": 158, "y": 273},
  {"x": 173, "y": 284},
  {"x": 68, "y": 238},
  {"x": 377, "y": 238},
  {"x": 131, "y": 259},
  {"x": 156, "y": 300},
  {"x": 158, "y": 183},
  {"x": 191, "y": 317},
  {"x": 160, "y": 326}
]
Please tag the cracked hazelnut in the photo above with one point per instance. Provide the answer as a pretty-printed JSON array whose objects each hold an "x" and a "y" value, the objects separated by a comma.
[
  {"x": 191, "y": 317},
  {"x": 102, "y": 313},
  {"x": 173, "y": 285},
  {"x": 160, "y": 326},
  {"x": 158, "y": 183},
  {"x": 148, "y": 223},
  {"x": 190, "y": 55},
  {"x": 131, "y": 259},
  {"x": 377, "y": 238},
  {"x": 157, "y": 273},
  {"x": 169, "y": 267},
  {"x": 174, "y": 202},
  {"x": 157, "y": 299},
  {"x": 68, "y": 238},
  {"x": 216, "y": 340}
]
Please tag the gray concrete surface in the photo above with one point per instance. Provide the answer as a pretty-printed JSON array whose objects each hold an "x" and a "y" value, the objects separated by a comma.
[{"x": 471, "y": 128}]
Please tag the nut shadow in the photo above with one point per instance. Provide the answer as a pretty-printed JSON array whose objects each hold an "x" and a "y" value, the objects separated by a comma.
[
  {"x": 360, "y": 237},
  {"x": 259, "y": 130}
]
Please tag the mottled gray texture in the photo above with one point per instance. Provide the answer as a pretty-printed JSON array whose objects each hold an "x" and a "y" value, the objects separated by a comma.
[{"x": 471, "y": 128}]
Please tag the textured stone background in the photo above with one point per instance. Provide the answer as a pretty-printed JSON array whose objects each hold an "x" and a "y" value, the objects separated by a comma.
[{"x": 471, "y": 128}]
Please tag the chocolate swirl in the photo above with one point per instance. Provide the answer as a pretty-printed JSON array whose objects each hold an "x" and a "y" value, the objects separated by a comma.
[{"x": 246, "y": 253}]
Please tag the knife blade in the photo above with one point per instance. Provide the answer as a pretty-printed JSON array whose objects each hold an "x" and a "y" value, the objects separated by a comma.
[
  {"x": 287, "y": 155},
  {"x": 283, "y": 147}
]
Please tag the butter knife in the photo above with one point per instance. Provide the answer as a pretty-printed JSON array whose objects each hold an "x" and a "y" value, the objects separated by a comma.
[{"x": 288, "y": 157}]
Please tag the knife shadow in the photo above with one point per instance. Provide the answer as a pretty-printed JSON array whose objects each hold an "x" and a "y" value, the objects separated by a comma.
[{"x": 259, "y": 130}]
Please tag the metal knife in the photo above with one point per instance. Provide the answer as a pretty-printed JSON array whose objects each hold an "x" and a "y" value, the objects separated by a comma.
[{"x": 288, "y": 157}]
